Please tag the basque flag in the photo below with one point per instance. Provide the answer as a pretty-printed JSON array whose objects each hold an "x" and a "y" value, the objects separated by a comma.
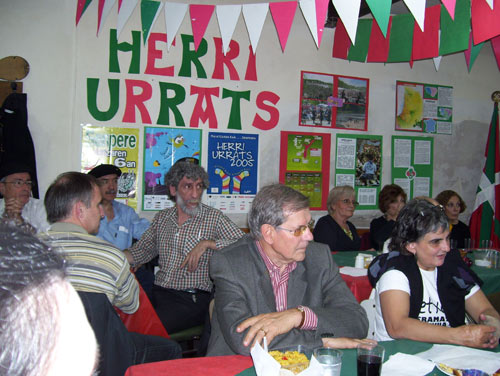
[{"x": 485, "y": 219}]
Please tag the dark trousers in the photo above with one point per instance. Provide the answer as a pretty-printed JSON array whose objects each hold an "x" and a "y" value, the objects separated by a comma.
[{"x": 179, "y": 310}]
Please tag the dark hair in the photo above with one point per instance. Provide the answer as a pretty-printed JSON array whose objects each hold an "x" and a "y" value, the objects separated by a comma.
[
  {"x": 272, "y": 205},
  {"x": 68, "y": 189},
  {"x": 31, "y": 275},
  {"x": 445, "y": 196},
  {"x": 388, "y": 195},
  {"x": 183, "y": 169},
  {"x": 417, "y": 218}
]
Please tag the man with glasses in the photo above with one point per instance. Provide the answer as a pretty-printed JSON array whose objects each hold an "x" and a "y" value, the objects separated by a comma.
[
  {"x": 277, "y": 283},
  {"x": 17, "y": 206}
]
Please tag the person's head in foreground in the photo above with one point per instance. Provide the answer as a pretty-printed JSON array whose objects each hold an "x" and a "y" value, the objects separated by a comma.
[
  {"x": 391, "y": 200},
  {"x": 43, "y": 326},
  {"x": 452, "y": 203},
  {"x": 341, "y": 202},
  {"x": 75, "y": 198}
]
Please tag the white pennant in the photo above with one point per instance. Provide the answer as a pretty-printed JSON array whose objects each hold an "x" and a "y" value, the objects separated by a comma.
[
  {"x": 124, "y": 14},
  {"x": 255, "y": 16},
  {"x": 108, "y": 4},
  {"x": 490, "y": 3},
  {"x": 174, "y": 14},
  {"x": 417, "y": 9},
  {"x": 227, "y": 16},
  {"x": 348, "y": 11},
  {"x": 437, "y": 60},
  {"x": 308, "y": 8}
]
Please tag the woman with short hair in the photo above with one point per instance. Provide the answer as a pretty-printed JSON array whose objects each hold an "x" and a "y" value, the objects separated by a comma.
[{"x": 454, "y": 206}]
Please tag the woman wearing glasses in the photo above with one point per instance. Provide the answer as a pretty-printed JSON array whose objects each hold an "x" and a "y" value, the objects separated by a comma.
[
  {"x": 453, "y": 207},
  {"x": 423, "y": 290},
  {"x": 334, "y": 229}
]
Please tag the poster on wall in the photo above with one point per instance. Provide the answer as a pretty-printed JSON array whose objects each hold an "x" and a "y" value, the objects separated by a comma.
[
  {"x": 359, "y": 165},
  {"x": 116, "y": 146},
  {"x": 305, "y": 165},
  {"x": 162, "y": 148},
  {"x": 412, "y": 164},
  {"x": 424, "y": 108},
  {"x": 333, "y": 101},
  {"x": 232, "y": 170}
]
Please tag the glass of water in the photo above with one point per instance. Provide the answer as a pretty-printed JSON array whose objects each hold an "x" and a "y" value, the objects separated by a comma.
[{"x": 330, "y": 360}]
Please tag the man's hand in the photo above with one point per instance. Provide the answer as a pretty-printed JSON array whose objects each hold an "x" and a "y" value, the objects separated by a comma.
[
  {"x": 130, "y": 260},
  {"x": 269, "y": 325},
  {"x": 346, "y": 343},
  {"x": 193, "y": 258},
  {"x": 13, "y": 208},
  {"x": 480, "y": 336}
]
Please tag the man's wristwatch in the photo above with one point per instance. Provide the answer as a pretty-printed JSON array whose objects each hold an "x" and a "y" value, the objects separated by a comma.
[{"x": 302, "y": 310}]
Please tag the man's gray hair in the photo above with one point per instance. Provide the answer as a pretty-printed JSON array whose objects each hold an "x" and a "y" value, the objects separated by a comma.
[
  {"x": 184, "y": 169},
  {"x": 272, "y": 205}
]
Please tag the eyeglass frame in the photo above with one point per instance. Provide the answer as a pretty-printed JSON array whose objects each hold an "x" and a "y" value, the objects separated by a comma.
[
  {"x": 18, "y": 183},
  {"x": 299, "y": 231},
  {"x": 347, "y": 202}
]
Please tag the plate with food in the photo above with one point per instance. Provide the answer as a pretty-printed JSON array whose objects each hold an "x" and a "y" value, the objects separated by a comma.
[
  {"x": 293, "y": 360},
  {"x": 460, "y": 372}
]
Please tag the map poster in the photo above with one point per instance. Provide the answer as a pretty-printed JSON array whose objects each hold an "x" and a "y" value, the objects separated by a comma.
[
  {"x": 162, "y": 148},
  {"x": 305, "y": 165},
  {"x": 232, "y": 169},
  {"x": 359, "y": 165},
  {"x": 424, "y": 108},
  {"x": 116, "y": 146}
]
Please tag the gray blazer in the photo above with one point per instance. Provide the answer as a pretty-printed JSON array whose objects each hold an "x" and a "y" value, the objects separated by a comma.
[{"x": 243, "y": 289}]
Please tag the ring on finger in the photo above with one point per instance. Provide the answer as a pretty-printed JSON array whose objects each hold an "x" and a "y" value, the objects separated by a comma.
[{"x": 265, "y": 331}]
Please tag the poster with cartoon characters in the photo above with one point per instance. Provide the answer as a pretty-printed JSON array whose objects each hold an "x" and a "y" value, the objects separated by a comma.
[
  {"x": 305, "y": 165},
  {"x": 232, "y": 169},
  {"x": 116, "y": 146},
  {"x": 162, "y": 148},
  {"x": 424, "y": 108}
]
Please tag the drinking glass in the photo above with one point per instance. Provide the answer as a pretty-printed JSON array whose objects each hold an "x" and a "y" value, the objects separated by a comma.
[
  {"x": 370, "y": 359},
  {"x": 468, "y": 243},
  {"x": 486, "y": 244},
  {"x": 330, "y": 360},
  {"x": 453, "y": 243}
]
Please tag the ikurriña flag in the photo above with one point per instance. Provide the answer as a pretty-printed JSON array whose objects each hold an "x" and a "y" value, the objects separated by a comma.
[{"x": 485, "y": 219}]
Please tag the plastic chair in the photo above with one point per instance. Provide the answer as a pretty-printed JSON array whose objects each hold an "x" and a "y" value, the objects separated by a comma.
[{"x": 369, "y": 307}]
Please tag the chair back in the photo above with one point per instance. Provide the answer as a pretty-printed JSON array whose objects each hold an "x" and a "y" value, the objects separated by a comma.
[{"x": 369, "y": 307}]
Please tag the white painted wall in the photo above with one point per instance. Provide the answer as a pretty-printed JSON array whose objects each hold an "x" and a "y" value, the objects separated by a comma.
[{"x": 62, "y": 56}]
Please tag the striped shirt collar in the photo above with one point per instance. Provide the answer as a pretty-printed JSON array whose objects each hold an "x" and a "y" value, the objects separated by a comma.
[{"x": 271, "y": 266}]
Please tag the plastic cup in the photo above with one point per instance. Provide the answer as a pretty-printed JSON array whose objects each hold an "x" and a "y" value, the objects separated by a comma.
[
  {"x": 453, "y": 243},
  {"x": 486, "y": 244},
  {"x": 330, "y": 360},
  {"x": 370, "y": 359}
]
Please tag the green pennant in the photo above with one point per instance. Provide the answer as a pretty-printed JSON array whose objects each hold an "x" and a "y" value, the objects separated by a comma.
[
  {"x": 148, "y": 13},
  {"x": 455, "y": 34},
  {"x": 87, "y": 3},
  {"x": 358, "y": 51},
  {"x": 400, "y": 43},
  {"x": 474, "y": 51},
  {"x": 381, "y": 11}
]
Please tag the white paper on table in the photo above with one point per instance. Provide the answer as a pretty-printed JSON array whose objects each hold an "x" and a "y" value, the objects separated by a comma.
[
  {"x": 354, "y": 272},
  {"x": 463, "y": 357},
  {"x": 406, "y": 365}
]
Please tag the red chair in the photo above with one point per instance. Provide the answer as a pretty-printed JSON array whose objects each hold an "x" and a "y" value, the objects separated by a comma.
[{"x": 365, "y": 241}]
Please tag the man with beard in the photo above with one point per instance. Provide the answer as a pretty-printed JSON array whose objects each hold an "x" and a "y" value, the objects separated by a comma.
[{"x": 184, "y": 237}]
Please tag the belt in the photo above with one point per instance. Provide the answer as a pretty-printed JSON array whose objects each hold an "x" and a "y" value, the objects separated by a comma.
[{"x": 195, "y": 291}]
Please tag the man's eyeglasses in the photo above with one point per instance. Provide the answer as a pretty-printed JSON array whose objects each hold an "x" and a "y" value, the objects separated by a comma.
[
  {"x": 299, "y": 230},
  {"x": 347, "y": 202},
  {"x": 19, "y": 183}
]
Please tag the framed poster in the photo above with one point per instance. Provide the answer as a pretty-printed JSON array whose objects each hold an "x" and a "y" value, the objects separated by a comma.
[
  {"x": 359, "y": 164},
  {"x": 305, "y": 165},
  {"x": 334, "y": 101}
]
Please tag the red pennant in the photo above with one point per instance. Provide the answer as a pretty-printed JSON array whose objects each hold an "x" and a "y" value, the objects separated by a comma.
[
  {"x": 81, "y": 6},
  {"x": 200, "y": 17},
  {"x": 283, "y": 14},
  {"x": 378, "y": 50},
  {"x": 321, "y": 9},
  {"x": 426, "y": 43},
  {"x": 495, "y": 44},
  {"x": 485, "y": 21},
  {"x": 341, "y": 42}
]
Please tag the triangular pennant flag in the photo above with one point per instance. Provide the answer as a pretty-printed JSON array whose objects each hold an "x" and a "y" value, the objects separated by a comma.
[
  {"x": 455, "y": 33},
  {"x": 227, "y": 15},
  {"x": 348, "y": 11},
  {"x": 103, "y": 12},
  {"x": 495, "y": 44},
  {"x": 381, "y": 11},
  {"x": 200, "y": 17},
  {"x": 490, "y": 3},
  {"x": 401, "y": 38},
  {"x": 308, "y": 8},
  {"x": 174, "y": 14},
  {"x": 321, "y": 11},
  {"x": 125, "y": 10},
  {"x": 485, "y": 21},
  {"x": 283, "y": 14},
  {"x": 150, "y": 10},
  {"x": 378, "y": 50},
  {"x": 471, "y": 53},
  {"x": 255, "y": 16},
  {"x": 437, "y": 62},
  {"x": 341, "y": 41},
  {"x": 450, "y": 7},
  {"x": 426, "y": 43},
  {"x": 417, "y": 8},
  {"x": 81, "y": 7},
  {"x": 359, "y": 50}
]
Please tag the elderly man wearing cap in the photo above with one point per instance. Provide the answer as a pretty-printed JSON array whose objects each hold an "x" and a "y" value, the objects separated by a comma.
[
  {"x": 121, "y": 223},
  {"x": 17, "y": 205}
]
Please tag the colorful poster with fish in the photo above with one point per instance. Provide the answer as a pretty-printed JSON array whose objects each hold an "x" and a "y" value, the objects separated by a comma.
[
  {"x": 232, "y": 169},
  {"x": 424, "y": 108},
  {"x": 305, "y": 165},
  {"x": 162, "y": 148},
  {"x": 116, "y": 146}
]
